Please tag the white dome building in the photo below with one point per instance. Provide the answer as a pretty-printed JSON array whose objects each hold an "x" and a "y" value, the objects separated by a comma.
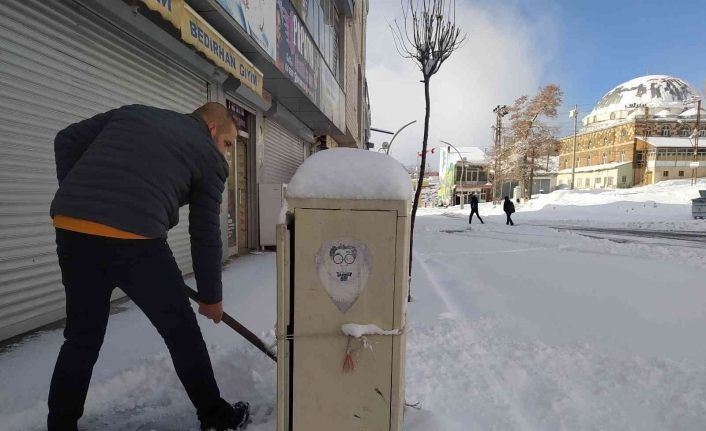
[
  {"x": 660, "y": 96},
  {"x": 643, "y": 131}
]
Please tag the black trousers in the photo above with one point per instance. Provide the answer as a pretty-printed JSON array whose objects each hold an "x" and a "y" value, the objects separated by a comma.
[
  {"x": 474, "y": 211},
  {"x": 509, "y": 220},
  {"x": 146, "y": 271}
]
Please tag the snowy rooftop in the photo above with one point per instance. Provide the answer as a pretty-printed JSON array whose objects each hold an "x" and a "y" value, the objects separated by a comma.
[
  {"x": 472, "y": 155},
  {"x": 662, "y": 95},
  {"x": 671, "y": 142},
  {"x": 347, "y": 173}
]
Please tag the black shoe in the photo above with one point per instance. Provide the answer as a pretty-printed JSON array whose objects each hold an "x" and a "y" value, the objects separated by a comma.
[
  {"x": 238, "y": 420},
  {"x": 241, "y": 416}
]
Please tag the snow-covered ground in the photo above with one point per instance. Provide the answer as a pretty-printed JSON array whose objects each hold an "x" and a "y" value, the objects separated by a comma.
[{"x": 512, "y": 328}]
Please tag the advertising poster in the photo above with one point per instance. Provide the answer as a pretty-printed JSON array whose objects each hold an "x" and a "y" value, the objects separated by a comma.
[
  {"x": 297, "y": 56},
  {"x": 257, "y": 17}
]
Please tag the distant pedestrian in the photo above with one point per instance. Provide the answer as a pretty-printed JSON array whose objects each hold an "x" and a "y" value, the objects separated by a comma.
[
  {"x": 509, "y": 209},
  {"x": 474, "y": 209}
]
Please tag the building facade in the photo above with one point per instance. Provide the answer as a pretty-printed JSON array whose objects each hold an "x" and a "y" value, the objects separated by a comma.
[
  {"x": 292, "y": 74},
  {"x": 461, "y": 173},
  {"x": 621, "y": 142}
]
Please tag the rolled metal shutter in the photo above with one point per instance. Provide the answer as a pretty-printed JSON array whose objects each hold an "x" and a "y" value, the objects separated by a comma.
[
  {"x": 284, "y": 152},
  {"x": 60, "y": 63}
]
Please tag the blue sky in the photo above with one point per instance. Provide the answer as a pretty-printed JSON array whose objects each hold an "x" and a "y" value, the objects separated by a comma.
[
  {"x": 604, "y": 43},
  {"x": 516, "y": 46}
]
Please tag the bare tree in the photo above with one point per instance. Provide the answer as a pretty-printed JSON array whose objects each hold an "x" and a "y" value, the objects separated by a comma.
[
  {"x": 428, "y": 36},
  {"x": 532, "y": 137}
]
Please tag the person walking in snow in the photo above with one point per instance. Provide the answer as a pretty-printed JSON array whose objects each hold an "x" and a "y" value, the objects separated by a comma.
[
  {"x": 474, "y": 209},
  {"x": 509, "y": 209},
  {"x": 122, "y": 177}
]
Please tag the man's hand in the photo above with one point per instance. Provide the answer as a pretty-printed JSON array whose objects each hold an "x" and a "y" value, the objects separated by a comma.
[{"x": 212, "y": 311}]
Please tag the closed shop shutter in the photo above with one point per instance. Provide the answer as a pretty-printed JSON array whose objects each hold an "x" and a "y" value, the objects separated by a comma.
[
  {"x": 284, "y": 152},
  {"x": 60, "y": 63}
]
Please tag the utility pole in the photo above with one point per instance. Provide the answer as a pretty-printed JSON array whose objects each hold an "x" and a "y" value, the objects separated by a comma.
[
  {"x": 697, "y": 131},
  {"x": 575, "y": 114},
  {"x": 500, "y": 112},
  {"x": 695, "y": 169}
]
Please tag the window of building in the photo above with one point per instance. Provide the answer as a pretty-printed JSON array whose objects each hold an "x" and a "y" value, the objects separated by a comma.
[
  {"x": 624, "y": 133},
  {"x": 622, "y": 156},
  {"x": 610, "y": 181},
  {"x": 588, "y": 161},
  {"x": 681, "y": 173},
  {"x": 648, "y": 132},
  {"x": 605, "y": 141},
  {"x": 587, "y": 182},
  {"x": 605, "y": 158},
  {"x": 684, "y": 132},
  {"x": 590, "y": 144},
  {"x": 624, "y": 179},
  {"x": 702, "y": 133},
  {"x": 598, "y": 180},
  {"x": 666, "y": 131},
  {"x": 665, "y": 173}
]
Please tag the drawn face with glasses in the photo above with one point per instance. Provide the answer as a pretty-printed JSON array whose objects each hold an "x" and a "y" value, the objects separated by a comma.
[{"x": 343, "y": 255}]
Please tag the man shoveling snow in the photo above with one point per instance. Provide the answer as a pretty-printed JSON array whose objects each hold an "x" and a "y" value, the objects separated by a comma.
[{"x": 122, "y": 177}]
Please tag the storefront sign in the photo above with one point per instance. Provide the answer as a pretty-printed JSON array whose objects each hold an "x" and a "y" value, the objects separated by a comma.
[
  {"x": 257, "y": 17},
  {"x": 169, "y": 9},
  {"x": 331, "y": 98},
  {"x": 297, "y": 56},
  {"x": 197, "y": 32}
]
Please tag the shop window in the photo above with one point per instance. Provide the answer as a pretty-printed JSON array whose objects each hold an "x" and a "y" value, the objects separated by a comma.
[
  {"x": 665, "y": 174},
  {"x": 666, "y": 131},
  {"x": 681, "y": 173}
]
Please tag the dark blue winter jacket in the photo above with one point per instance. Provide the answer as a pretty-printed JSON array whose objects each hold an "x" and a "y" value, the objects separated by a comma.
[{"x": 133, "y": 167}]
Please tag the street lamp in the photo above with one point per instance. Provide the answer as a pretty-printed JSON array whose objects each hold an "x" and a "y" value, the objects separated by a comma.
[
  {"x": 387, "y": 150},
  {"x": 463, "y": 166}
]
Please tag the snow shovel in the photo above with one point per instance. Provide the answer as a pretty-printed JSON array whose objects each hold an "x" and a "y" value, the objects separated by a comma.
[{"x": 239, "y": 328}]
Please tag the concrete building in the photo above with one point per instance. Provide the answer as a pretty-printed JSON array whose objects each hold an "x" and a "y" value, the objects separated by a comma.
[
  {"x": 640, "y": 132},
  {"x": 291, "y": 72},
  {"x": 461, "y": 173}
]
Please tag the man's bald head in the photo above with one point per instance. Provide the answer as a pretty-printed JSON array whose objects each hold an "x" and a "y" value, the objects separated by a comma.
[{"x": 220, "y": 123}]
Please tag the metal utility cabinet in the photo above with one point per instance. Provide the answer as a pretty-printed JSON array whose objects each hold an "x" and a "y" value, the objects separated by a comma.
[
  {"x": 339, "y": 262},
  {"x": 698, "y": 206}
]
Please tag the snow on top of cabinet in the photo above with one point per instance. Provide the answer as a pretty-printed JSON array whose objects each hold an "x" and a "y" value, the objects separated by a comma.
[{"x": 347, "y": 173}]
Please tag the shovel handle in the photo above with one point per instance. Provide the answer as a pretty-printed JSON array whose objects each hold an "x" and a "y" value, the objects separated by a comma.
[{"x": 239, "y": 328}]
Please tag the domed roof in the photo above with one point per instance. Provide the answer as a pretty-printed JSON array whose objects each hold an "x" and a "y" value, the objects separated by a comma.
[{"x": 660, "y": 93}]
